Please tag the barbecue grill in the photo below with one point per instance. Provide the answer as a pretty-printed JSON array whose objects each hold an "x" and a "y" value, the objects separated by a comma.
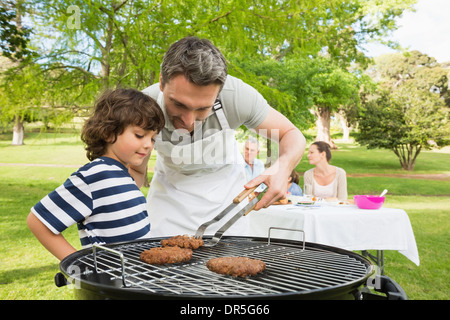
[{"x": 294, "y": 270}]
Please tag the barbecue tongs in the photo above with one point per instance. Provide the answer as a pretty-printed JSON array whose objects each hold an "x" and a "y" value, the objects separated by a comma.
[{"x": 244, "y": 211}]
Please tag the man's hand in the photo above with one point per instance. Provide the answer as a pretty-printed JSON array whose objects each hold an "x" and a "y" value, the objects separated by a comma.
[
  {"x": 292, "y": 145},
  {"x": 276, "y": 180}
]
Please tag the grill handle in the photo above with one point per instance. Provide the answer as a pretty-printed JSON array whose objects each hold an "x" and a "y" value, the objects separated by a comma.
[
  {"x": 60, "y": 280},
  {"x": 387, "y": 286},
  {"x": 392, "y": 289},
  {"x": 120, "y": 254},
  {"x": 278, "y": 228}
]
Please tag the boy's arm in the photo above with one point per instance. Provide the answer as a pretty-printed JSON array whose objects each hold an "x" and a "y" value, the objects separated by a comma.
[{"x": 55, "y": 243}]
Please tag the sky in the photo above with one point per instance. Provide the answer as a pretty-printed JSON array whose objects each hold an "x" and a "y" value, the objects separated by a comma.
[{"x": 426, "y": 30}]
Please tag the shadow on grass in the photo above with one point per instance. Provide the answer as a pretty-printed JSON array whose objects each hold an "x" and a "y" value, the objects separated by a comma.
[{"x": 22, "y": 274}]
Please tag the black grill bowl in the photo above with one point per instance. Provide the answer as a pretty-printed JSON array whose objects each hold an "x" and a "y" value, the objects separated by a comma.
[{"x": 317, "y": 272}]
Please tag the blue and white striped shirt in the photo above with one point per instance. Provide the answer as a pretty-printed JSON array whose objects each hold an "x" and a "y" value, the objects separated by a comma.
[{"x": 103, "y": 199}]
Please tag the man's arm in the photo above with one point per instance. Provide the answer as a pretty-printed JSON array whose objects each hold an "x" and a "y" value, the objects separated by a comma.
[{"x": 292, "y": 145}]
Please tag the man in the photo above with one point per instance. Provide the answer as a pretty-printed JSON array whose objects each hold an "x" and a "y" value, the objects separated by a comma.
[
  {"x": 253, "y": 166},
  {"x": 199, "y": 169}
]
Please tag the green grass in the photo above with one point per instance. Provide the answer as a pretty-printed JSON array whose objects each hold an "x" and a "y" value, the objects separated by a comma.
[
  {"x": 44, "y": 148},
  {"x": 430, "y": 222},
  {"x": 398, "y": 186},
  {"x": 27, "y": 269},
  {"x": 359, "y": 160}
]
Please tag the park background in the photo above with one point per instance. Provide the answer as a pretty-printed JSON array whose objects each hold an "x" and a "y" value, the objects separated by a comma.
[{"x": 387, "y": 117}]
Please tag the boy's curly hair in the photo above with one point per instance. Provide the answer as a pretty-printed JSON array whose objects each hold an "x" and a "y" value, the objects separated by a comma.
[{"x": 113, "y": 112}]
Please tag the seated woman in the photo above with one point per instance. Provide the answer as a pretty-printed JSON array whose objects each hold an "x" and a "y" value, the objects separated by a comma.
[{"x": 327, "y": 181}]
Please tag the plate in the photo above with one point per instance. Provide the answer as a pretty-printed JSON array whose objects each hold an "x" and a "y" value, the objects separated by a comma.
[{"x": 305, "y": 202}]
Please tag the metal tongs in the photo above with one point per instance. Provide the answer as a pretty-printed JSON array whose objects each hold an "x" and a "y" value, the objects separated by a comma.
[{"x": 243, "y": 212}]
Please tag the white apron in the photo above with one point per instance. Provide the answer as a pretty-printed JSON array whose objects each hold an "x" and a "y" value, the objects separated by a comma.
[{"x": 195, "y": 181}]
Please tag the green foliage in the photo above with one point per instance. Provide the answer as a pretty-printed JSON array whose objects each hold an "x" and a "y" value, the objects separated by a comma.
[
  {"x": 390, "y": 123},
  {"x": 87, "y": 46},
  {"x": 286, "y": 85},
  {"x": 335, "y": 86},
  {"x": 13, "y": 39},
  {"x": 31, "y": 94},
  {"x": 408, "y": 114}
]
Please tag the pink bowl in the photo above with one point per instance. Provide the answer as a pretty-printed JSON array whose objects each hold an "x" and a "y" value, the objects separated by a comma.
[{"x": 368, "y": 202}]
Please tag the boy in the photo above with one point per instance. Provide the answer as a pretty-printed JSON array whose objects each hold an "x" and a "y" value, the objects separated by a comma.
[{"x": 102, "y": 197}]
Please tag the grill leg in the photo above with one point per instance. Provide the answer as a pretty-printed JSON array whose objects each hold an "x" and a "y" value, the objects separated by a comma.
[{"x": 378, "y": 259}]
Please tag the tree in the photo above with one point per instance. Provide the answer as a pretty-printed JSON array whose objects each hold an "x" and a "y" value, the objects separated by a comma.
[
  {"x": 348, "y": 114},
  {"x": 13, "y": 36},
  {"x": 336, "y": 88},
  {"x": 26, "y": 95},
  {"x": 312, "y": 63},
  {"x": 409, "y": 114},
  {"x": 87, "y": 46}
]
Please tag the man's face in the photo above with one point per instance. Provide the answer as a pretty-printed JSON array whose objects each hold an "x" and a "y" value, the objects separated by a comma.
[
  {"x": 250, "y": 152},
  {"x": 186, "y": 102}
]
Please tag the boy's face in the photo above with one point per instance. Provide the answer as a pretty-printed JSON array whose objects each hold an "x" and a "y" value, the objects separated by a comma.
[{"x": 132, "y": 146}]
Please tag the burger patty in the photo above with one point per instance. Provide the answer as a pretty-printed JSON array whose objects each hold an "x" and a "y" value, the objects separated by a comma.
[
  {"x": 185, "y": 241},
  {"x": 166, "y": 255},
  {"x": 236, "y": 266}
]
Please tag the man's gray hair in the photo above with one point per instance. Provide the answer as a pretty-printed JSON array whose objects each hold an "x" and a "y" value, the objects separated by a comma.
[
  {"x": 197, "y": 59},
  {"x": 253, "y": 140}
]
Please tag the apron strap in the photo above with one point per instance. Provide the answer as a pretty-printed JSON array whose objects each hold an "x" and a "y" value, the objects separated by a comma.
[
  {"x": 160, "y": 98},
  {"x": 218, "y": 109}
]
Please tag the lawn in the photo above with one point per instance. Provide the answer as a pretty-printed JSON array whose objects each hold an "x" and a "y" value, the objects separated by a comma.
[{"x": 27, "y": 269}]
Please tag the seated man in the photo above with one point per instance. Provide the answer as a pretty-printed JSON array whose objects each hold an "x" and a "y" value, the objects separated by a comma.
[{"x": 253, "y": 166}]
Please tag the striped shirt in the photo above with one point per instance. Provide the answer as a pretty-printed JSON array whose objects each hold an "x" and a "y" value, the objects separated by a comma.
[{"x": 104, "y": 201}]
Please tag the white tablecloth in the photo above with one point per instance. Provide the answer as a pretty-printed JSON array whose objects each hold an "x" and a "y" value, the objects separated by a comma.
[{"x": 342, "y": 226}]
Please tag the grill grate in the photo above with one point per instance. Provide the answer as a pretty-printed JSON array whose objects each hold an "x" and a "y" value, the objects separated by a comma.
[{"x": 289, "y": 269}]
